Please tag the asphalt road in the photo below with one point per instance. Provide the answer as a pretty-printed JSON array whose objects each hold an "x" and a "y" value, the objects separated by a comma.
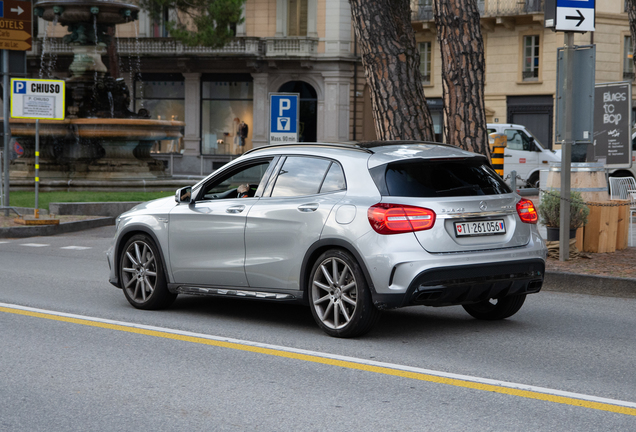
[{"x": 108, "y": 366}]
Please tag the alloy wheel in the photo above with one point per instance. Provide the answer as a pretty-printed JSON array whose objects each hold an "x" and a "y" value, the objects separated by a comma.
[
  {"x": 139, "y": 271},
  {"x": 334, "y": 293}
]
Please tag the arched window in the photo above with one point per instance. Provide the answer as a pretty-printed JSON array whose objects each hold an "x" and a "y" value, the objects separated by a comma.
[{"x": 308, "y": 121}]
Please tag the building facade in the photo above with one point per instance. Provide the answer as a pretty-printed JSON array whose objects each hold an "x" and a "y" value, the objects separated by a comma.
[
  {"x": 222, "y": 95},
  {"x": 521, "y": 59},
  {"x": 308, "y": 47}
]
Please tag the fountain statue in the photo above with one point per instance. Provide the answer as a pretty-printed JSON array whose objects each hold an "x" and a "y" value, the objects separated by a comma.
[{"x": 101, "y": 138}]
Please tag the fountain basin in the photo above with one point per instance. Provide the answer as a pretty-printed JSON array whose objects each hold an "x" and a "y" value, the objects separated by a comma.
[{"x": 92, "y": 148}]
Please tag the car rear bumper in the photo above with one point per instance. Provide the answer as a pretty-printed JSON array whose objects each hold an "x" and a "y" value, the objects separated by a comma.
[{"x": 456, "y": 285}]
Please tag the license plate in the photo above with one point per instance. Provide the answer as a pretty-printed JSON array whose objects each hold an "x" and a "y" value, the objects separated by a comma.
[{"x": 476, "y": 228}]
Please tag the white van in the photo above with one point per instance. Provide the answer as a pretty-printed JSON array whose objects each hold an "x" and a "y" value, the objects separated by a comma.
[{"x": 524, "y": 153}]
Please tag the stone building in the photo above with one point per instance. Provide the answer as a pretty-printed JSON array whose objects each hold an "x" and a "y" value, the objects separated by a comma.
[
  {"x": 308, "y": 47},
  {"x": 521, "y": 59}
]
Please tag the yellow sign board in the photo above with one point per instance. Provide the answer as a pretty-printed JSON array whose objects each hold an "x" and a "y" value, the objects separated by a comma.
[{"x": 16, "y": 35}]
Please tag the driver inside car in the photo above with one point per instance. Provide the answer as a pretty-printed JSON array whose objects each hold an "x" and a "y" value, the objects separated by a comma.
[{"x": 243, "y": 191}]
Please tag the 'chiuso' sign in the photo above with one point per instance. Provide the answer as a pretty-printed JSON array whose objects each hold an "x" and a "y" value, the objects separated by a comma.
[{"x": 37, "y": 99}]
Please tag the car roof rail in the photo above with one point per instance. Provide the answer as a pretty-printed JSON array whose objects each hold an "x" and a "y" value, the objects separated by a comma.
[
  {"x": 379, "y": 143},
  {"x": 354, "y": 147}
]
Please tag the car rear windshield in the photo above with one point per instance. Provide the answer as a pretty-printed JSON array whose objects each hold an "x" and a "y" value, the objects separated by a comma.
[{"x": 438, "y": 178}]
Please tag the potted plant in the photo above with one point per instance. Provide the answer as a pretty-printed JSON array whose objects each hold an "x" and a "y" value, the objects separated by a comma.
[{"x": 550, "y": 209}]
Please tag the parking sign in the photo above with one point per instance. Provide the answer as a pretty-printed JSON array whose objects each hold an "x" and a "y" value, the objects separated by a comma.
[
  {"x": 37, "y": 99},
  {"x": 283, "y": 113}
]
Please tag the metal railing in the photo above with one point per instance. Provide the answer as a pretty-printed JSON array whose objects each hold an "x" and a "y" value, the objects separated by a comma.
[
  {"x": 240, "y": 46},
  {"x": 422, "y": 10}
]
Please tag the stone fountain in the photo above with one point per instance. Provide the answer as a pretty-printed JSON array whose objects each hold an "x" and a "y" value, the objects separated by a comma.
[{"x": 101, "y": 139}]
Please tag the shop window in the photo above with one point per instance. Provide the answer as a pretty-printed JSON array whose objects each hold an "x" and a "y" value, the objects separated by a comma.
[
  {"x": 226, "y": 117},
  {"x": 531, "y": 50},
  {"x": 628, "y": 59},
  {"x": 164, "y": 99},
  {"x": 425, "y": 62},
  {"x": 297, "y": 18}
]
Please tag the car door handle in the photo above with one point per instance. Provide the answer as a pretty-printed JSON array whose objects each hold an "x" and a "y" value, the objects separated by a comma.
[
  {"x": 507, "y": 155},
  {"x": 235, "y": 209},
  {"x": 306, "y": 208}
]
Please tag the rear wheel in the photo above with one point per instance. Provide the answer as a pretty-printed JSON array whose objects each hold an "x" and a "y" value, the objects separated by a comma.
[
  {"x": 142, "y": 275},
  {"x": 533, "y": 181},
  {"x": 339, "y": 297},
  {"x": 496, "y": 309}
]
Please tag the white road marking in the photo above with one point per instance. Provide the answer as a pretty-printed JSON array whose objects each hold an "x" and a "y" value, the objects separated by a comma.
[
  {"x": 35, "y": 244},
  {"x": 585, "y": 400},
  {"x": 75, "y": 247}
]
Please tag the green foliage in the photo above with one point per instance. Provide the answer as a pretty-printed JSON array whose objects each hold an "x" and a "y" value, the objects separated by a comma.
[
  {"x": 27, "y": 199},
  {"x": 550, "y": 209},
  {"x": 198, "y": 22}
]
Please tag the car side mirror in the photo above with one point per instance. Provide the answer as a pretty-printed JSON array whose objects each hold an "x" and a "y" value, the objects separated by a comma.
[{"x": 184, "y": 195}]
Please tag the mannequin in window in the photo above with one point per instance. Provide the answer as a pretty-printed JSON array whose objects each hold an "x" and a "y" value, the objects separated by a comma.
[{"x": 243, "y": 130}]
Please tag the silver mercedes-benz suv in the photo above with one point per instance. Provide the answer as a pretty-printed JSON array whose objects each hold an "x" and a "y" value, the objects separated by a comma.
[{"x": 348, "y": 230}]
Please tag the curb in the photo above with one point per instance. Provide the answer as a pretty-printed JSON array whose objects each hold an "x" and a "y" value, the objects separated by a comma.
[
  {"x": 591, "y": 285},
  {"x": 49, "y": 230}
]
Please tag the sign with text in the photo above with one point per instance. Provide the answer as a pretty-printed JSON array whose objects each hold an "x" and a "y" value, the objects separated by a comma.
[
  {"x": 37, "y": 99},
  {"x": 283, "y": 115},
  {"x": 612, "y": 124},
  {"x": 15, "y": 25}
]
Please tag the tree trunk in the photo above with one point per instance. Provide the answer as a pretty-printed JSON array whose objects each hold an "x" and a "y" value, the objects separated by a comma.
[
  {"x": 391, "y": 63},
  {"x": 462, "y": 48}
]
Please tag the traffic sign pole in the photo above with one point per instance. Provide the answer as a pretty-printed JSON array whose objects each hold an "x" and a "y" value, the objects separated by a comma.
[
  {"x": 36, "y": 209},
  {"x": 566, "y": 150},
  {"x": 7, "y": 129}
]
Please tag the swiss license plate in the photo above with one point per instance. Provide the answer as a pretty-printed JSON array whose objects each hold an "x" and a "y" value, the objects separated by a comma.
[{"x": 475, "y": 228}]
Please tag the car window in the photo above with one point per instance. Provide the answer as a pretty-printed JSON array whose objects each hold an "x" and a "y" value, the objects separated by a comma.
[
  {"x": 235, "y": 182},
  {"x": 300, "y": 176},
  {"x": 335, "y": 180},
  {"x": 435, "y": 178},
  {"x": 515, "y": 139}
]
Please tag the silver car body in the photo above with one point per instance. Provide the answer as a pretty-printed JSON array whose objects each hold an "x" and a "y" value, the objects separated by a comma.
[{"x": 264, "y": 246}]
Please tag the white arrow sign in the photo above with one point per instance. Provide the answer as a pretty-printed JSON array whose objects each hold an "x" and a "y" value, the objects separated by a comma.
[{"x": 19, "y": 10}]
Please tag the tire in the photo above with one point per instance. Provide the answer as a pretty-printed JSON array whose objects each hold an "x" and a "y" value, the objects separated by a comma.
[
  {"x": 339, "y": 296},
  {"x": 142, "y": 276},
  {"x": 496, "y": 309},
  {"x": 533, "y": 181}
]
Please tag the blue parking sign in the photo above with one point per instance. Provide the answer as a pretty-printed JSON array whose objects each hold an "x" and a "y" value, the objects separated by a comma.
[{"x": 283, "y": 109}]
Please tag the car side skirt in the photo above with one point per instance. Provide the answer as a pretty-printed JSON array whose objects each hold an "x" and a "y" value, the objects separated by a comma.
[{"x": 247, "y": 293}]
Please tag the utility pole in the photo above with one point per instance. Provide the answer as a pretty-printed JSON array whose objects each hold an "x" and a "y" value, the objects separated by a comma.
[{"x": 7, "y": 129}]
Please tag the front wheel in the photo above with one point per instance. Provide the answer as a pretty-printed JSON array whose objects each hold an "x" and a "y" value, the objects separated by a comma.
[
  {"x": 142, "y": 276},
  {"x": 496, "y": 309},
  {"x": 339, "y": 297}
]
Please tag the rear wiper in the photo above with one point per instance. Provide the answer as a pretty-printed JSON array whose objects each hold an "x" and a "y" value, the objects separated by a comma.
[{"x": 469, "y": 187}]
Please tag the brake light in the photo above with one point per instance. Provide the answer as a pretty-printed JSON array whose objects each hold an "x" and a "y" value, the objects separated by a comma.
[
  {"x": 397, "y": 219},
  {"x": 526, "y": 211}
]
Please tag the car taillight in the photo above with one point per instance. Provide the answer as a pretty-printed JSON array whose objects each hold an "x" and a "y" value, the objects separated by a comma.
[
  {"x": 396, "y": 219},
  {"x": 526, "y": 211}
]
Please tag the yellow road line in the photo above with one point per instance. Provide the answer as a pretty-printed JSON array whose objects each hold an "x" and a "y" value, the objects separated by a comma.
[{"x": 501, "y": 388}]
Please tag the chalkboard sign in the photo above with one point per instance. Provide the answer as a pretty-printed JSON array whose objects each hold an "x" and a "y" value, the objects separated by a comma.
[{"x": 612, "y": 124}]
